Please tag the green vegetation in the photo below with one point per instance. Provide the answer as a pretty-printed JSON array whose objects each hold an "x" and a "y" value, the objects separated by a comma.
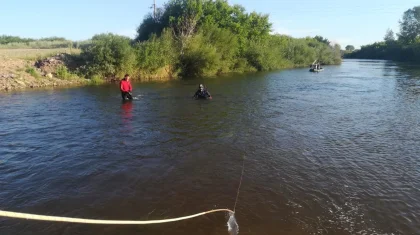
[
  {"x": 32, "y": 72},
  {"x": 63, "y": 73},
  {"x": 186, "y": 38},
  {"x": 350, "y": 48},
  {"x": 13, "y": 42},
  {"x": 108, "y": 55},
  {"x": 5, "y": 39},
  {"x": 96, "y": 80},
  {"x": 202, "y": 37},
  {"x": 405, "y": 48}
]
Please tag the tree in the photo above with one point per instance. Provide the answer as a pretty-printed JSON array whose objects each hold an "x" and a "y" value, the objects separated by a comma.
[
  {"x": 109, "y": 55},
  {"x": 186, "y": 17},
  {"x": 322, "y": 39},
  {"x": 184, "y": 22},
  {"x": 213, "y": 37},
  {"x": 410, "y": 25},
  {"x": 389, "y": 36},
  {"x": 349, "y": 48}
]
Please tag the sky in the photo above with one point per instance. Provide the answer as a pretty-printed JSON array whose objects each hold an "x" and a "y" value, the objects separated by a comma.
[{"x": 356, "y": 22}]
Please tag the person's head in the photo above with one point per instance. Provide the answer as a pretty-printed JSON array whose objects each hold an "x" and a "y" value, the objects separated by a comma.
[
  {"x": 201, "y": 87},
  {"x": 127, "y": 77}
]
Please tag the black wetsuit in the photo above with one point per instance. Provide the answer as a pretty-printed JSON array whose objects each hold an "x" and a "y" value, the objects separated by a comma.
[
  {"x": 202, "y": 94},
  {"x": 126, "y": 95}
]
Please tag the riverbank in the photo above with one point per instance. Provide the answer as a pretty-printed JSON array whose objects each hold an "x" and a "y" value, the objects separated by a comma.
[
  {"x": 18, "y": 70},
  {"x": 17, "y": 73},
  {"x": 45, "y": 68}
]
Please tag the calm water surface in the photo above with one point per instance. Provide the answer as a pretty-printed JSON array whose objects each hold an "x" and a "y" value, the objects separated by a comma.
[{"x": 331, "y": 153}]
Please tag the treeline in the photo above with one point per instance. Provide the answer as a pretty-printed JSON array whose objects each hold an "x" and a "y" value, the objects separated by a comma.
[
  {"x": 406, "y": 47},
  {"x": 202, "y": 37},
  {"x": 14, "y": 42},
  {"x": 5, "y": 39}
]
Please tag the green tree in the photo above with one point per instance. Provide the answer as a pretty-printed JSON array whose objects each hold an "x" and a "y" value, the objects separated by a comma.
[
  {"x": 150, "y": 26},
  {"x": 185, "y": 17},
  {"x": 349, "y": 48},
  {"x": 389, "y": 36},
  {"x": 157, "y": 53},
  {"x": 322, "y": 39},
  {"x": 184, "y": 21},
  {"x": 410, "y": 25},
  {"x": 406, "y": 48},
  {"x": 109, "y": 55}
]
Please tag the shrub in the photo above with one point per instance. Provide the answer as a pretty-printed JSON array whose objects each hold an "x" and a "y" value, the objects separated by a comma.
[
  {"x": 63, "y": 73},
  {"x": 109, "y": 55},
  {"x": 32, "y": 72},
  {"x": 199, "y": 58},
  {"x": 157, "y": 53},
  {"x": 96, "y": 80}
]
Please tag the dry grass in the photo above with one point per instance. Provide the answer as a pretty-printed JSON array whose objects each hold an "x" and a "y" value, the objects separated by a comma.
[
  {"x": 34, "y": 54},
  {"x": 17, "y": 69}
]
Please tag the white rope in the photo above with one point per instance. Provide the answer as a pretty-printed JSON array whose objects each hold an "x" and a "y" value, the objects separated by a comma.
[{"x": 17, "y": 215}]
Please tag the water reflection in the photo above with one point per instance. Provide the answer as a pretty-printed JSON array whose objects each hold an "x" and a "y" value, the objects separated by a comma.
[
  {"x": 127, "y": 115},
  {"x": 407, "y": 80}
]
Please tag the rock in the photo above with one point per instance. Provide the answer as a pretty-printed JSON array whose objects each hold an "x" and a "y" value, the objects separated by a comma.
[{"x": 49, "y": 75}]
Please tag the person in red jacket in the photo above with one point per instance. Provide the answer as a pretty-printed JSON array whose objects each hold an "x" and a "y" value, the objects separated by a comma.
[{"x": 126, "y": 88}]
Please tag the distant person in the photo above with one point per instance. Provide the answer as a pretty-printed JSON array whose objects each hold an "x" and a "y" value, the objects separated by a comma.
[
  {"x": 126, "y": 88},
  {"x": 202, "y": 93}
]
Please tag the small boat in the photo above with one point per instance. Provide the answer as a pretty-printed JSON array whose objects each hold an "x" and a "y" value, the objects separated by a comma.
[
  {"x": 316, "y": 70},
  {"x": 315, "y": 67}
]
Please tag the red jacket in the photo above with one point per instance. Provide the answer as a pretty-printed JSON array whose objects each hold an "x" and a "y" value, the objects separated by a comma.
[{"x": 125, "y": 86}]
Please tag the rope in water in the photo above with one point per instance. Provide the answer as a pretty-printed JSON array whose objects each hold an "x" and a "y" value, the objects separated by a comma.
[
  {"x": 240, "y": 183},
  {"x": 27, "y": 216}
]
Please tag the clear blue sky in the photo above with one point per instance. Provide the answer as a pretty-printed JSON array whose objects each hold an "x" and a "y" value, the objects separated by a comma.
[{"x": 356, "y": 22}]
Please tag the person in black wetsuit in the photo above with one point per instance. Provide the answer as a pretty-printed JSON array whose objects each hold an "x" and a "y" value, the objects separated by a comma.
[{"x": 202, "y": 93}]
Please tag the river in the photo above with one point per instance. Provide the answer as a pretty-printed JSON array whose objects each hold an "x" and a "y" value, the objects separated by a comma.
[{"x": 336, "y": 152}]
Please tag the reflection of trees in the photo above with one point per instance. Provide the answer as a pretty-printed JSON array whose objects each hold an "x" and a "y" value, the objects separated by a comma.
[
  {"x": 389, "y": 69},
  {"x": 407, "y": 79},
  {"x": 409, "y": 69}
]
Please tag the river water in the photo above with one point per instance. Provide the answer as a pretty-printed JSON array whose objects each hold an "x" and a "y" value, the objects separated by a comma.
[{"x": 336, "y": 152}]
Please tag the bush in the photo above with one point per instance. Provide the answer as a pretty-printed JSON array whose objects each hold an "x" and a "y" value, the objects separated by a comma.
[
  {"x": 157, "y": 53},
  {"x": 96, "y": 80},
  {"x": 226, "y": 45},
  {"x": 32, "y": 72},
  {"x": 109, "y": 55},
  {"x": 63, "y": 73},
  {"x": 199, "y": 58}
]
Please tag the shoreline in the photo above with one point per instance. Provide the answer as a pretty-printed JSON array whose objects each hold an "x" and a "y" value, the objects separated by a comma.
[
  {"x": 22, "y": 82},
  {"x": 17, "y": 74}
]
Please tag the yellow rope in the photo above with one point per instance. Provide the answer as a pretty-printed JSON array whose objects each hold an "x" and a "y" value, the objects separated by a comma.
[{"x": 95, "y": 221}]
